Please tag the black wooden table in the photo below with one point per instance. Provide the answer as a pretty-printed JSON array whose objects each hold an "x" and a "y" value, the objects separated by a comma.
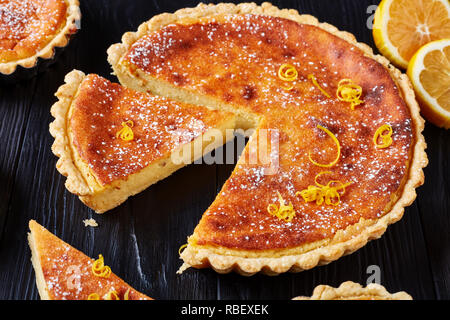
[{"x": 140, "y": 239}]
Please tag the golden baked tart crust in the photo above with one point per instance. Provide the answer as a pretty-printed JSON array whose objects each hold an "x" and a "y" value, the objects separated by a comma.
[
  {"x": 64, "y": 273},
  {"x": 102, "y": 167},
  {"x": 354, "y": 291},
  {"x": 230, "y": 57},
  {"x": 31, "y": 29}
]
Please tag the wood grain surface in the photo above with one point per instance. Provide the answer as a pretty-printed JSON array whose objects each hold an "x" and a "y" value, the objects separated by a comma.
[{"x": 140, "y": 239}]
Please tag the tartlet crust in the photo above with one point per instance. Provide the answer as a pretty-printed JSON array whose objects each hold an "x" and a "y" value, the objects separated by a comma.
[
  {"x": 354, "y": 291},
  {"x": 75, "y": 182},
  {"x": 61, "y": 39},
  {"x": 345, "y": 241}
]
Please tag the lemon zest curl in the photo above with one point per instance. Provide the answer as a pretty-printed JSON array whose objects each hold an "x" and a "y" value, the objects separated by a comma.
[
  {"x": 112, "y": 295},
  {"x": 125, "y": 296},
  {"x": 99, "y": 269},
  {"x": 288, "y": 88},
  {"x": 126, "y": 133},
  {"x": 338, "y": 149},
  {"x": 385, "y": 133},
  {"x": 93, "y": 296},
  {"x": 287, "y": 72},
  {"x": 324, "y": 193},
  {"x": 182, "y": 248},
  {"x": 349, "y": 91},
  {"x": 283, "y": 212},
  {"x": 317, "y": 85}
]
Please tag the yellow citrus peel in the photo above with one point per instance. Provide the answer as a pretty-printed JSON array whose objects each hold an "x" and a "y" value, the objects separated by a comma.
[
  {"x": 338, "y": 149},
  {"x": 317, "y": 85},
  {"x": 125, "y": 296},
  {"x": 93, "y": 296},
  {"x": 328, "y": 193},
  {"x": 182, "y": 248},
  {"x": 283, "y": 212},
  {"x": 349, "y": 91},
  {"x": 126, "y": 133},
  {"x": 385, "y": 133},
  {"x": 99, "y": 269},
  {"x": 112, "y": 295},
  {"x": 287, "y": 72}
]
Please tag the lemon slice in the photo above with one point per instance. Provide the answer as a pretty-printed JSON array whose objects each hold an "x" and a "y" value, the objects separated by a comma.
[
  {"x": 429, "y": 71},
  {"x": 401, "y": 27}
]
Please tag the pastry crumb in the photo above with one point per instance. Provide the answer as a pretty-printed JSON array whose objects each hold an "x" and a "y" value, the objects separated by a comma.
[{"x": 90, "y": 223}]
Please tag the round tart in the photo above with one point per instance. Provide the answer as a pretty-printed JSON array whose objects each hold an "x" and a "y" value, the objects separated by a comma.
[
  {"x": 354, "y": 291},
  {"x": 350, "y": 150},
  {"x": 31, "y": 30}
]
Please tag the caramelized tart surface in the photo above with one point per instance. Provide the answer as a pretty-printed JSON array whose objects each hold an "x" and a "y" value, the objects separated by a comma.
[
  {"x": 159, "y": 126},
  {"x": 235, "y": 59},
  {"x": 27, "y": 26}
]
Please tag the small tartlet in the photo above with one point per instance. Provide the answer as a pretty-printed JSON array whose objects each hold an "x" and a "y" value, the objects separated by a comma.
[
  {"x": 354, "y": 291},
  {"x": 26, "y": 57}
]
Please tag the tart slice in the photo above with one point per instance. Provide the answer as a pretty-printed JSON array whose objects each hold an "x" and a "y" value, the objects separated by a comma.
[
  {"x": 31, "y": 30},
  {"x": 350, "y": 149},
  {"x": 354, "y": 291},
  {"x": 64, "y": 273},
  {"x": 114, "y": 142}
]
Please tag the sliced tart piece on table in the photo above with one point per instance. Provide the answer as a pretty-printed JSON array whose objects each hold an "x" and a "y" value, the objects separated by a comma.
[
  {"x": 31, "y": 30},
  {"x": 350, "y": 151},
  {"x": 354, "y": 291},
  {"x": 114, "y": 142},
  {"x": 64, "y": 273}
]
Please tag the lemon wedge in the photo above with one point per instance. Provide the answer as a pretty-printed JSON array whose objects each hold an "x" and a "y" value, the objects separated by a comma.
[
  {"x": 401, "y": 27},
  {"x": 429, "y": 71}
]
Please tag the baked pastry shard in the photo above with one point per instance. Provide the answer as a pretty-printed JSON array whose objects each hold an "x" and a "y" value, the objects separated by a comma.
[
  {"x": 354, "y": 291},
  {"x": 31, "y": 29},
  {"x": 114, "y": 142},
  {"x": 64, "y": 273},
  {"x": 350, "y": 151}
]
